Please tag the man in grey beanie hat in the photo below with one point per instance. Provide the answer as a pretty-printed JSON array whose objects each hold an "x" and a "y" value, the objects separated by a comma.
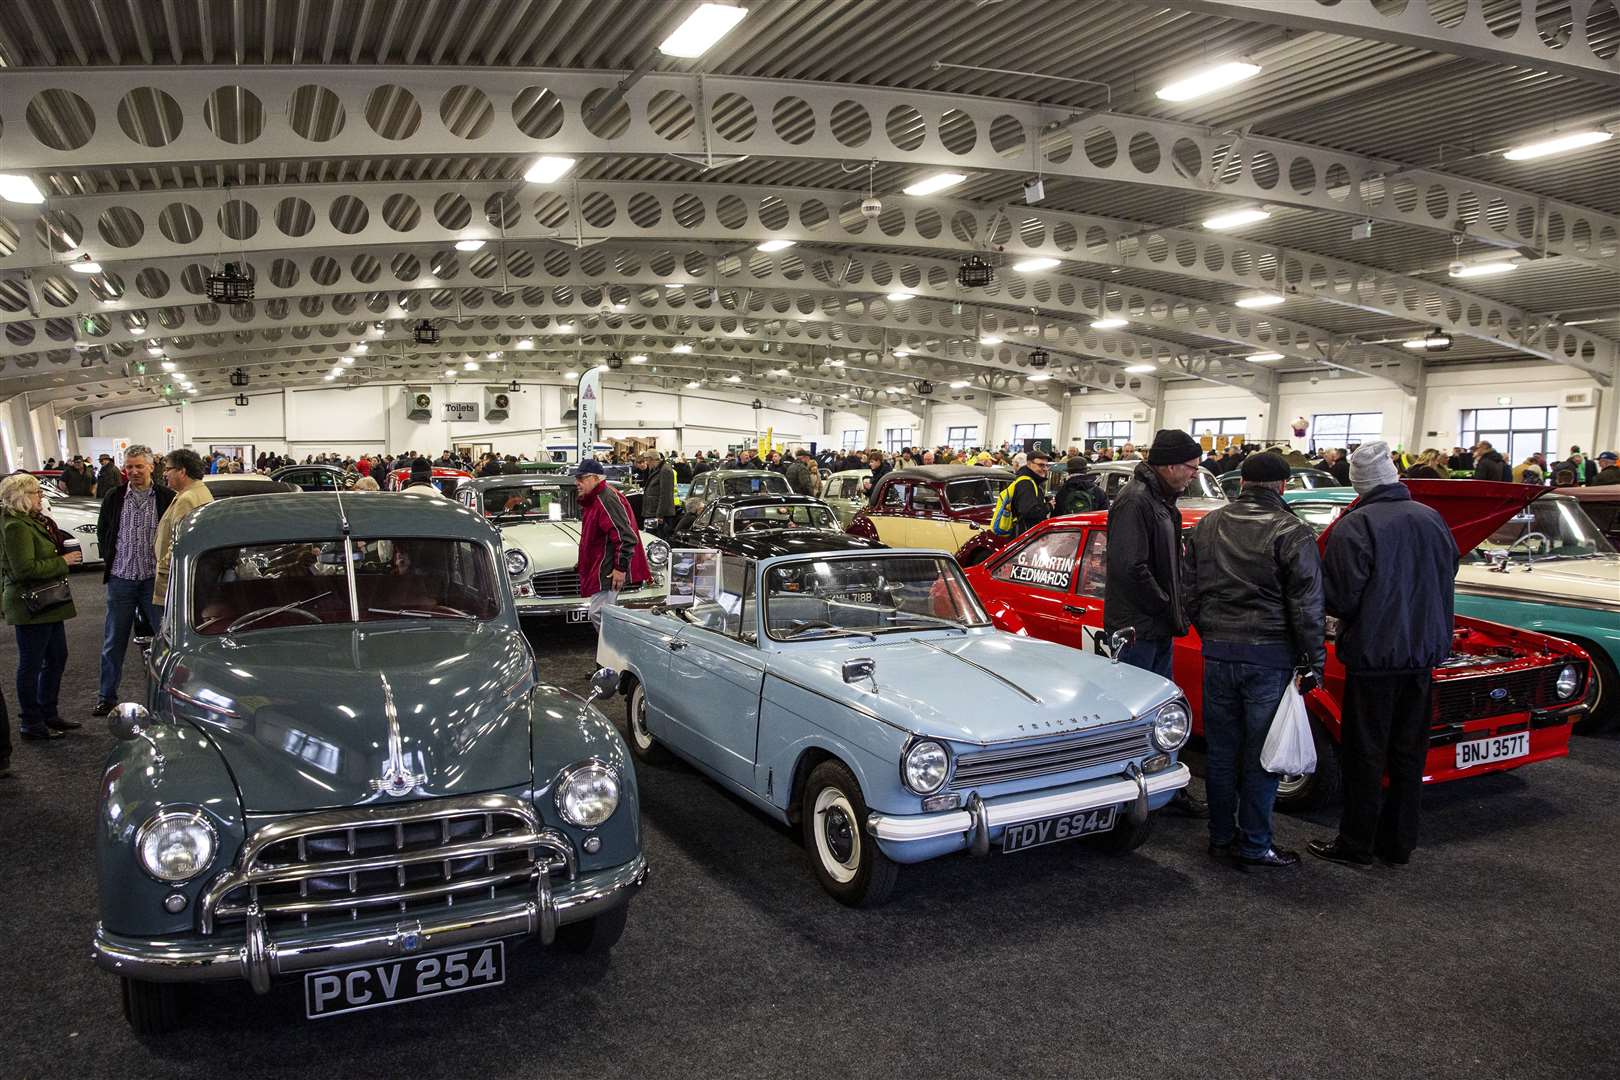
[{"x": 1387, "y": 577}]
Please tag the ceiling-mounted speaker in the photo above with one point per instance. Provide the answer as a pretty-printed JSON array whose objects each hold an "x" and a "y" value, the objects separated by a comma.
[
  {"x": 419, "y": 403},
  {"x": 425, "y": 333},
  {"x": 497, "y": 403}
]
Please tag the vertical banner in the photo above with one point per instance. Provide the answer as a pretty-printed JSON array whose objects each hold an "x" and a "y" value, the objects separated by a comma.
[{"x": 590, "y": 397}]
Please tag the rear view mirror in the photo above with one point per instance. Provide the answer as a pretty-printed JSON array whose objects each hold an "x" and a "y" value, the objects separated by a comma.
[
  {"x": 128, "y": 720},
  {"x": 1122, "y": 638},
  {"x": 605, "y": 683}
]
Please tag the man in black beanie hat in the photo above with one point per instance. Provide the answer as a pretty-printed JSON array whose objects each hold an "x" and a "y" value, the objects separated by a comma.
[
  {"x": 421, "y": 476},
  {"x": 1142, "y": 591},
  {"x": 1254, "y": 591}
]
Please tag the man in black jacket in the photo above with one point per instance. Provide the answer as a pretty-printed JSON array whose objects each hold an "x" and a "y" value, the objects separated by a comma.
[
  {"x": 658, "y": 494},
  {"x": 1488, "y": 464},
  {"x": 1142, "y": 590},
  {"x": 1029, "y": 499},
  {"x": 108, "y": 478},
  {"x": 126, "y": 529},
  {"x": 1080, "y": 491},
  {"x": 1388, "y": 573},
  {"x": 1255, "y": 593}
]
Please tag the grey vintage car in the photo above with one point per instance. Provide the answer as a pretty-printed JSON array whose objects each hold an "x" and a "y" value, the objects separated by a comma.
[{"x": 348, "y": 768}]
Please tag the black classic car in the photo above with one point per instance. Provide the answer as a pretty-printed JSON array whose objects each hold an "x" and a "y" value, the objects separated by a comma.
[
  {"x": 759, "y": 526},
  {"x": 317, "y": 477}
]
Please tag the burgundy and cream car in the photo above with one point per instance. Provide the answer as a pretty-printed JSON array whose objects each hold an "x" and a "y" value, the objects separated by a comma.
[{"x": 931, "y": 506}]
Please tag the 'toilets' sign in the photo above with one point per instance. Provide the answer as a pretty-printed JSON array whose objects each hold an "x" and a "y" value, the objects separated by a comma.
[{"x": 461, "y": 412}]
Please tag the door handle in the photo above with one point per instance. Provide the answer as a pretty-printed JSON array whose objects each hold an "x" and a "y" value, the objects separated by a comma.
[
  {"x": 1072, "y": 609},
  {"x": 676, "y": 645}
]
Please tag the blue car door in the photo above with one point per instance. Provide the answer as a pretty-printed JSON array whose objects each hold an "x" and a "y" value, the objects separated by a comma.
[{"x": 715, "y": 676}]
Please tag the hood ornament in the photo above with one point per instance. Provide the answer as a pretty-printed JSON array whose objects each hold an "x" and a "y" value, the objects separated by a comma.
[{"x": 397, "y": 779}]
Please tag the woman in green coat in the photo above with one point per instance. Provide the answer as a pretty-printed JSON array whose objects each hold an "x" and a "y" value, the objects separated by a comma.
[{"x": 29, "y": 560}]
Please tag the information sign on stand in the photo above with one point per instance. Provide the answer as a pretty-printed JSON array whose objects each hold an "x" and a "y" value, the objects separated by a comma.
[{"x": 694, "y": 574}]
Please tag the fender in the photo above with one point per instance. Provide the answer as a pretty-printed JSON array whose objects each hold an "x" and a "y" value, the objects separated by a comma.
[{"x": 564, "y": 730}]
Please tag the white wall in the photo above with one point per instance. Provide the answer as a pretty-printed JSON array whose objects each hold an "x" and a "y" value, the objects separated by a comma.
[{"x": 1450, "y": 392}]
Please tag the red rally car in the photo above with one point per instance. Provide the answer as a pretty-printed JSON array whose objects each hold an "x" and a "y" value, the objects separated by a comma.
[
  {"x": 1504, "y": 698},
  {"x": 445, "y": 479}
]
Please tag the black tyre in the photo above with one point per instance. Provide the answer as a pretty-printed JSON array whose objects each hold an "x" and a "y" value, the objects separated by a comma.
[
  {"x": 642, "y": 744},
  {"x": 846, "y": 861},
  {"x": 1125, "y": 837},
  {"x": 151, "y": 1008},
  {"x": 1604, "y": 715},
  {"x": 1316, "y": 790},
  {"x": 595, "y": 936}
]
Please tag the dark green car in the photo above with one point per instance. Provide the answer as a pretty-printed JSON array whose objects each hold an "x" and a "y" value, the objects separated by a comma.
[{"x": 349, "y": 769}]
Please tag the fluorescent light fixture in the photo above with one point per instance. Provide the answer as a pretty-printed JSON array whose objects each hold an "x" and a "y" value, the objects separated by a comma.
[
  {"x": 1433, "y": 341},
  {"x": 843, "y": 395},
  {"x": 20, "y": 189},
  {"x": 1140, "y": 369},
  {"x": 1264, "y": 300},
  {"x": 346, "y": 360},
  {"x": 781, "y": 372},
  {"x": 361, "y": 347},
  {"x": 1558, "y": 144},
  {"x": 707, "y": 24},
  {"x": 902, "y": 352},
  {"x": 733, "y": 378},
  {"x": 469, "y": 245},
  {"x": 674, "y": 285},
  {"x": 774, "y": 245},
  {"x": 835, "y": 363},
  {"x": 449, "y": 373},
  {"x": 549, "y": 169},
  {"x": 934, "y": 183},
  {"x": 525, "y": 343},
  {"x": 570, "y": 374},
  {"x": 1263, "y": 357},
  {"x": 168, "y": 365},
  {"x": 960, "y": 384},
  {"x": 1041, "y": 376},
  {"x": 1484, "y": 269},
  {"x": 328, "y": 377},
  {"x": 683, "y": 347},
  {"x": 989, "y": 339},
  {"x": 639, "y": 358},
  {"x": 693, "y": 385},
  {"x": 1027, "y": 266},
  {"x": 795, "y": 401},
  {"x": 86, "y": 265},
  {"x": 900, "y": 297},
  {"x": 191, "y": 390},
  {"x": 471, "y": 365},
  {"x": 1207, "y": 81},
  {"x": 892, "y": 390},
  {"x": 157, "y": 350},
  {"x": 565, "y": 328},
  {"x": 621, "y": 306},
  {"x": 1109, "y": 324},
  {"x": 492, "y": 356},
  {"x": 1236, "y": 218}
]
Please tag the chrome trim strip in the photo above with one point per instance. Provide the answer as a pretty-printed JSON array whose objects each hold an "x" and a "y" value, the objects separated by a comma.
[
  {"x": 188, "y": 699},
  {"x": 996, "y": 675},
  {"x": 1538, "y": 599}
]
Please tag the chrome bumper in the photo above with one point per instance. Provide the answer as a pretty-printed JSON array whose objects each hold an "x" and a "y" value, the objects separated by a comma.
[
  {"x": 981, "y": 817},
  {"x": 199, "y": 959}
]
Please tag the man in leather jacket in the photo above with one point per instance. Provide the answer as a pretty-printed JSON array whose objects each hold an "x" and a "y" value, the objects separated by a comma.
[
  {"x": 1255, "y": 594},
  {"x": 1142, "y": 591}
]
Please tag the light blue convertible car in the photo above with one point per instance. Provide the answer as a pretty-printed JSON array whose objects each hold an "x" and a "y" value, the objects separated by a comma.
[{"x": 865, "y": 697}]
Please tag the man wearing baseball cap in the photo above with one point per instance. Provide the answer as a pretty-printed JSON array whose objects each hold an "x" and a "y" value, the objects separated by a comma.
[
  {"x": 611, "y": 557},
  {"x": 1608, "y": 469}
]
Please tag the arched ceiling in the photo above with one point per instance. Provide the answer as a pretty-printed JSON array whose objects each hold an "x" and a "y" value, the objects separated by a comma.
[{"x": 343, "y": 150}]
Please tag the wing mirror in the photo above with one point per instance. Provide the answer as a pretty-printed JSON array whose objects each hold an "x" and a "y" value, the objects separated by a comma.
[
  {"x": 863, "y": 667},
  {"x": 605, "y": 683},
  {"x": 128, "y": 721},
  {"x": 1122, "y": 637}
]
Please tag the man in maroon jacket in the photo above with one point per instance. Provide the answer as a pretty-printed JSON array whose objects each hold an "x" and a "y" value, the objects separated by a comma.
[{"x": 610, "y": 553}]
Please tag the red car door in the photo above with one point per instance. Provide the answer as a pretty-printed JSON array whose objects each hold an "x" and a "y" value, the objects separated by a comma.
[{"x": 1035, "y": 576}]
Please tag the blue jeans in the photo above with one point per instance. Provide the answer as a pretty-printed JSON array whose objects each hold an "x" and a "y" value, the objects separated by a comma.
[
  {"x": 124, "y": 597},
  {"x": 1239, "y": 702},
  {"x": 1149, "y": 654},
  {"x": 41, "y": 659}
]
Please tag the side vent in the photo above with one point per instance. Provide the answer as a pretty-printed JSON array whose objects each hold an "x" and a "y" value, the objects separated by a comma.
[{"x": 419, "y": 403}]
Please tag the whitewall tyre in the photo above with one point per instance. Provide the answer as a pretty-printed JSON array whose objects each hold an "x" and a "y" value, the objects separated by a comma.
[
  {"x": 845, "y": 859},
  {"x": 642, "y": 744},
  {"x": 1313, "y": 791}
]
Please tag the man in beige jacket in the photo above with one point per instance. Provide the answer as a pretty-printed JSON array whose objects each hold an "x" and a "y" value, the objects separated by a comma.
[{"x": 183, "y": 472}]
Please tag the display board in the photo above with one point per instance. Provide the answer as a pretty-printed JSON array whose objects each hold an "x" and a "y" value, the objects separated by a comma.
[{"x": 694, "y": 574}]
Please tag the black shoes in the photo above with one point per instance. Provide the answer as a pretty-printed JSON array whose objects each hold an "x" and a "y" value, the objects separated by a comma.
[
  {"x": 43, "y": 734},
  {"x": 57, "y": 723},
  {"x": 1391, "y": 859},
  {"x": 1272, "y": 856},
  {"x": 1334, "y": 851},
  {"x": 1187, "y": 805},
  {"x": 5, "y": 768},
  {"x": 103, "y": 707},
  {"x": 1222, "y": 851}
]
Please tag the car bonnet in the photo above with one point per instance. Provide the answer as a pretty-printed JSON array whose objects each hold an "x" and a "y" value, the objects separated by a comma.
[{"x": 1472, "y": 509}]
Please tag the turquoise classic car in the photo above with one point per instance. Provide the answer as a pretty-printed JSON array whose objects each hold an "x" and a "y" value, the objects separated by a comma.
[
  {"x": 864, "y": 697},
  {"x": 348, "y": 769},
  {"x": 1543, "y": 567}
]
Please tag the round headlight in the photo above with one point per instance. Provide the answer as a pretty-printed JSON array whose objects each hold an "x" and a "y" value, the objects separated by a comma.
[
  {"x": 587, "y": 794},
  {"x": 925, "y": 766},
  {"x": 516, "y": 562},
  {"x": 657, "y": 553},
  {"x": 1569, "y": 681},
  {"x": 176, "y": 845},
  {"x": 1172, "y": 726}
]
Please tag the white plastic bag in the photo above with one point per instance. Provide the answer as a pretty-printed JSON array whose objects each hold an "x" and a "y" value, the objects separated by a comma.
[{"x": 1289, "y": 749}]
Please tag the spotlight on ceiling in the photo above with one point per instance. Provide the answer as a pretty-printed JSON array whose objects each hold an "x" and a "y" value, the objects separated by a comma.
[
  {"x": 925, "y": 388},
  {"x": 975, "y": 273},
  {"x": 232, "y": 285},
  {"x": 1436, "y": 340},
  {"x": 614, "y": 361},
  {"x": 425, "y": 333},
  {"x": 1039, "y": 358},
  {"x": 239, "y": 377},
  {"x": 513, "y": 387}
]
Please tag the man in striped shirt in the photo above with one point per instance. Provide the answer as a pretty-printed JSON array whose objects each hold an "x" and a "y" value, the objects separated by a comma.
[
  {"x": 611, "y": 558},
  {"x": 125, "y": 530}
]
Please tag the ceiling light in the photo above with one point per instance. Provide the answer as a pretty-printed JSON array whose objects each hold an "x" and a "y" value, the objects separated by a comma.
[
  {"x": 154, "y": 350},
  {"x": 492, "y": 356},
  {"x": 774, "y": 245},
  {"x": 84, "y": 264},
  {"x": 1263, "y": 357},
  {"x": 168, "y": 365},
  {"x": 361, "y": 347},
  {"x": 328, "y": 377},
  {"x": 693, "y": 385},
  {"x": 639, "y": 358},
  {"x": 449, "y": 373},
  {"x": 525, "y": 343},
  {"x": 683, "y": 347},
  {"x": 795, "y": 401},
  {"x": 840, "y": 363},
  {"x": 1042, "y": 376},
  {"x": 1264, "y": 300},
  {"x": 733, "y": 378},
  {"x": 960, "y": 384},
  {"x": 892, "y": 390},
  {"x": 1435, "y": 340},
  {"x": 1140, "y": 369},
  {"x": 1558, "y": 144},
  {"x": 376, "y": 330},
  {"x": 843, "y": 395},
  {"x": 900, "y": 297},
  {"x": 346, "y": 360},
  {"x": 471, "y": 365},
  {"x": 19, "y": 189},
  {"x": 1484, "y": 269},
  {"x": 469, "y": 245},
  {"x": 707, "y": 24},
  {"x": 902, "y": 352},
  {"x": 989, "y": 339},
  {"x": 1208, "y": 80},
  {"x": 549, "y": 169},
  {"x": 1109, "y": 324},
  {"x": 934, "y": 183},
  {"x": 565, "y": 328},
  {"x": 570, "y": 374},
  {"x": 1236, "y": 218},
  {"x": 191, "y": 390},
  {"x": 674, "y": 285},
  {"x": 1026, "y": 266}
]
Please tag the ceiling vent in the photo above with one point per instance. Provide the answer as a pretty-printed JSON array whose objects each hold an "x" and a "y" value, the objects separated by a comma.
[{"x": 418, "y": 403}]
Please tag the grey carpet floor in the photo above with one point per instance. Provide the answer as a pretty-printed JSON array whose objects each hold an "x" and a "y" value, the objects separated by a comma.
[{"x": 1492, "y": 955}]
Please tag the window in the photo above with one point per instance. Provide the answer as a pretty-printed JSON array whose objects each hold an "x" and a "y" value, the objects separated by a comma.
[
  {"x": 1220, "y": 425},
  {"x": 1045, "y": 563},
  {"x": 853, "y": 438},
  {"x": 1345, "y": 429},
  {"x": 1030, "y": 431},
  {"x": 960, "y": 438},
  {"x": 729, "y": 609},
  {"x": 1116, "y": 432},
  {"x": 975, "y": 491},
  {"x": 894, "y": 496},
  {"x": 1094, "y": 567},
  {"x": 896, "y": 439},
  {"x": 924, "y": 497},
  {"x": 1514, "y": 433}
]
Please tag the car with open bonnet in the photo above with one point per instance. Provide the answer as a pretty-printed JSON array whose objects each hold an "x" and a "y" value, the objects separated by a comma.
[
  {"x": 864, "y": 697},
  {"x": 348, "y": 769}
]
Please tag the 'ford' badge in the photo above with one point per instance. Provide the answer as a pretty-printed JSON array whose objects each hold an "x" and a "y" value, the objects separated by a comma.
[{"x": 1499, "y": 693}]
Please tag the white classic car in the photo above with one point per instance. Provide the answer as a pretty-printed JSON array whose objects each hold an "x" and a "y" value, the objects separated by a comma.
[
  {"x": 538, "y": 515},
  {"x": 76, "y": 515}
]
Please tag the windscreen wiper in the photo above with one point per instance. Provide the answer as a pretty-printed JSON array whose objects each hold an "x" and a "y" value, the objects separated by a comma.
[
  {"x": 417, "y": 613},
  {"x": 258, "y": 616}
]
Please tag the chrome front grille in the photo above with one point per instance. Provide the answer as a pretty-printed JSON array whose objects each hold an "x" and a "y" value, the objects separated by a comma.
[
  {"x": 346, "y": 865},
  {"x": 556, "y": 584},
  {"x": 1117, "y": 742}
]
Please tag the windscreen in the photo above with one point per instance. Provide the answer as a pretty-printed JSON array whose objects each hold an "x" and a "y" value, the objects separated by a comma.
[
  {"x": 542, "y": 502},
  {"x": 764, "y": 484},
  {"x": 789, "y": 516},
  {"x": 238, "y": 590},
  {"x": 974, "y": 491},
  {"x": 1552, "y": 527},
  {"x": 1204, "y": 486},
  {"x": 865, "y": 596}
]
